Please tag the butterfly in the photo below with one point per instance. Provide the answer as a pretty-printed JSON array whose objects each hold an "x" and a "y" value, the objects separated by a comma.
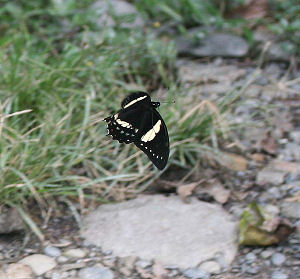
[{"x": 139, "y": 122}]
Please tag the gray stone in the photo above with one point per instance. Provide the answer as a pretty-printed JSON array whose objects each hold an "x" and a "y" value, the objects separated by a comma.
[
  {"x": 143, "y": 264},
  {"x": 278, "y": 259},
  {"x": 266, "y": 254},
  {"x": 295, "y": 135},
  {"x": 292, "y": 151},
  {"x": 10, "y": 220},
  {"x": 127, "y": 12},
  {"x": 39, "y": 263},
  {"x": 263, "y": 36},
  {"x": 96, "y": 272},
  {"x": 62, "y": 259},
  {"x": 195, "y": 72},
  {"x": 250, "y": 257},
  {"x": 196, "y": 273},
  {"x": 214, "y": 44},
  {"x": 275, "y": 191},
  {"x": 252, "y": 269},
  {"x": 277, "y": 52},
  {"x": 128, "y": 262},
  {"x": 278, "y": 274},
  {"x": 211, "y": 267},
  {"x": 52, "y": 251},
  {"x": 267, "y": 175},
  {"x": 291, "y": 209},
  {"x": 156, "y": 227}
]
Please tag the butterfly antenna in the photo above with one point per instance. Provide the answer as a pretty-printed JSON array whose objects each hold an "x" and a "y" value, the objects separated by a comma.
[{"x": 165, "y": 102}]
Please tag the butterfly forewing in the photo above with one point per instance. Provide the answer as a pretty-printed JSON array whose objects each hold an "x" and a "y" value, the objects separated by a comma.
[
  {"x": 136, "y": 99},
  {"x": 140, "y": 123}
]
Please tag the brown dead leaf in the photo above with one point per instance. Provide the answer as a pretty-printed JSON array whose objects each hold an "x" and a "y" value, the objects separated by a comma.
[
  {"x": 215, "y": 189},
  {"x": 253, "y": 9},
  {"x": 185, "y": 191},
  {"x": 219, "y": 192},
  {"x": 234, "y": 162},
  {"x": 269, "y": 144}
]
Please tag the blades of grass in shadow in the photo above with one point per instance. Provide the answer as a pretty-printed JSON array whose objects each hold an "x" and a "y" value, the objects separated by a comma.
[
  {"x": 74, "y": 211},
  {"x": 31, "y": 224},
  {"x": 30, "y": 186}
]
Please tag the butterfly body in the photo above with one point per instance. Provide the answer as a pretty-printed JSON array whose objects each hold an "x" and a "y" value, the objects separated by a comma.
[{"x": 139, "y": 122}]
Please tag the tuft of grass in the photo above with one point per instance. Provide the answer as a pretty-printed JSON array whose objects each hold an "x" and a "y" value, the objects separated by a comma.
[{"x": 60, "y": 76}]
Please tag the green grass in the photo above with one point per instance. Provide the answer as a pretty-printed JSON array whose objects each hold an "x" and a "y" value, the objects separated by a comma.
[
  {"x": 61, "y": 75},
  {"x": 58, "y": 82}
]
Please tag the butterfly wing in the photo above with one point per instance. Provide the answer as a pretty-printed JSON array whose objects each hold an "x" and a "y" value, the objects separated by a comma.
[
  {"x": 139, "y": 122},
  {"x": 123, "y": 126},
  {"x": 153, "y": 139},
  {"x": 135, "y": 99}
]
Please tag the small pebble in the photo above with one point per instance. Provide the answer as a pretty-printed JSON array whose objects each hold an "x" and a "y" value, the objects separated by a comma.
[
  {"x": 196, "y": 273},
  {"x": 297, "y": 256},
  {"x": 128, "y": 261},
  {"x": 52, "y": 251},
  {"x": 266, "y": 254},
  {"x": 75, "y": 253},
  {"x": 143, "y": 263},
  {"x": 279, "y": 275},
  {"x": 95, "y": 272},
  {"x": 39, "y": 263},
  {"x": 62, "y": 259},
  {"x": 250, "y": 257},
  {"x": 252, "y": 270},
  {"x": 55, "y": 275},
  {"x": 278, "y": 259}
]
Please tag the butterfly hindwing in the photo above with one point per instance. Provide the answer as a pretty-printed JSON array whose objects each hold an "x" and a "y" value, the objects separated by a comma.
[
  {"x": 154, "y": 141},
  {"x": 123, "y": 126},
  {"x": 139, "y": 122}
]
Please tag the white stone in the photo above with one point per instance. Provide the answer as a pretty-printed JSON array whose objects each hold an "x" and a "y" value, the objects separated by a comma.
[
  {"x": 52, "y": 251},
  {"x": 18, "y": 271},
  {"x": 39, "y": 263},
  {"x": 75, "y": 253},
  {"x": 211, "y": 267},
  {"x": 164, "y": 229}
]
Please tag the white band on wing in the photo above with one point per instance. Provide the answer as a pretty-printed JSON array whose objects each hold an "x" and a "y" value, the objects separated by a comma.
[
  {"x": 134, "y": 101},
  {"x": 150, "y": 135}
]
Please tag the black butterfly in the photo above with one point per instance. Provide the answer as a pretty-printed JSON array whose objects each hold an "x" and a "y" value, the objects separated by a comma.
[{"x": 139, "y": 122}]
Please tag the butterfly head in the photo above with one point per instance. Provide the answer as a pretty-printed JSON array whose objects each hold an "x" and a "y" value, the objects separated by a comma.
[{"x": 155, "y": 104}]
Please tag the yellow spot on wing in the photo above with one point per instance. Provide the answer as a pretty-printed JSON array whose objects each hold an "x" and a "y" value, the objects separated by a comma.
[{"x": 123, "y": 123}]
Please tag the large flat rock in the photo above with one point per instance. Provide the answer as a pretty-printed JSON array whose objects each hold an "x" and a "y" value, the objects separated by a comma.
[{"x": 164, "y": 229}]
